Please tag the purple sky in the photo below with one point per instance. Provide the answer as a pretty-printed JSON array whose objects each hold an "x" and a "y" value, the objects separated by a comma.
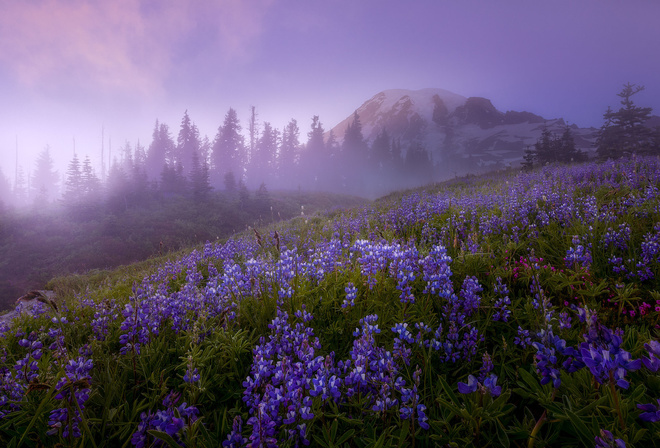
[{"x": 69, "y": 67}]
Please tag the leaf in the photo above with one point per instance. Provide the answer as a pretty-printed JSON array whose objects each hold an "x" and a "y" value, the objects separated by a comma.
[
  {"x": 580, "y": 428},
  {"x": 321, "y": 442},
  {"x": 502, "y": 436},
  {"x": 530, "y": 381},
  {"x": 165, "y": 437},
  {"x": 333, "y": 430},
  {"x": 403, "y": 435},
  {"x": 347, "y": 435},
  {"x": 448, "y": 390}
]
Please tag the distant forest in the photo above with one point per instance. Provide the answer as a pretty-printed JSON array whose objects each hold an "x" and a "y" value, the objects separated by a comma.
[{"x": 261, "y": 157}]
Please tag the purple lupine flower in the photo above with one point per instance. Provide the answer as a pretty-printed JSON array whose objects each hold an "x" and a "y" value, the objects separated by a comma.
[
  {"x": 72, "y": 388},
  {"x": 578, "y": 255},
  {"x": 471, "y": 386},
  {"x": 523, "y": 339},
  {"x": 486, "y": 366},
  {"x": 401, "y": 342},
  {"x": 604, "y": 357},
  {"x": 489, "y": 386},
  {"x": 607, "y": 440},
  {"x": 502, "y": 312},
  {"x": 651, "y": 412},
  {"x": 653, "y": 361},
  {"x": 171, "y": 420},
  {"x": 191, "y": 376},
  {"x": 351, "y": 294}
]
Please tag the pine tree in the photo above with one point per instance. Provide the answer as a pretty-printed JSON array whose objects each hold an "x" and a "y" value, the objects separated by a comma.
[
  {"x": 187, "y": 144},
  {"x": 314, "y": 160},
  {"x": 118, "y": 189},
  {"x": 199, "y": 177},
  {"x": 253, "y": 132},
  {"x": 20, "y": 187},
  {"x": 418, "y": 162},
  {"x": 315, "y": 143},
  {"x": 354, "y": 142},
  {"x": 44, "y": 178},
  {"x": 550, "y": 149},
  {"x": 263, "y": 162},
  {"x": 161, "y": 151},
  {"x": 528, "y": 159},
  {"x": 289, "y": 149},
  {"x": 90, "y": 183},
  {"x": 625, "y": 132},
  {"x": 262, "y": 199},
  {"x": 228, "y": 148},
  {"x": 5, "y": 191},
  {"x": 381, "y": 150},
  {"x": 545, "y": 148},
  {"x": 172, "y": 180},
  {"x": 73, "y": 184}
]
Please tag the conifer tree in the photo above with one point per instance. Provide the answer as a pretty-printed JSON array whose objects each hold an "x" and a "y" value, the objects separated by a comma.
[
  {"x": 187, "y": 144},
  {"x": 20, "y": 187},
  {"x": 5, "y": 192},
  {"x": 161, "y": 150},
  {"x": 90, "y": 183},
  {"x": 625, "y": 132},
  {"x": 381, "y": 151},
  {"x": 262, "y": 199},
  {"x": 199, "y": 177},
  {"x": 73, "y": 183},
  {"x": 354, "y": 143},
  {"x": 288, "y": 156},
  {"x": 228, "y": 148},
  {"x": 263, "y": 162},
  {"x": 44, "y": 178}
]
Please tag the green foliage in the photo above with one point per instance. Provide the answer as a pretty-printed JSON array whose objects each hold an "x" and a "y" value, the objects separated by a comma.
[{"x": 526, "y": 413}]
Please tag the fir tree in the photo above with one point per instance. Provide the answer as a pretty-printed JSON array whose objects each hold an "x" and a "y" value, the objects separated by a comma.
[
  {"x": 288, "y": 156},
  {"x": 228, "y": 147},
  {"x": 90, "y": 183},
  {"x": 73, "y": 183},
  {"x": 199, "y": 177},
  {"x": 381, "y": 150},
  {"x": 161, "y": 151},
  {"x": 44, "y": 178},
  {"x": 187, "y": 144},
  {"x": 625, "y": 131}
]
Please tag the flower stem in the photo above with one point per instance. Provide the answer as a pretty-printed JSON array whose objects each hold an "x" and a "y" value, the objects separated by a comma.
[{"x": 615, "y": 395}]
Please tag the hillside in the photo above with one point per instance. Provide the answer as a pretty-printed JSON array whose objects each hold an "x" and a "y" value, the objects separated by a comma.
[
  {"x": 38, "y": 245},
  {"x": 514, "y": 309}
]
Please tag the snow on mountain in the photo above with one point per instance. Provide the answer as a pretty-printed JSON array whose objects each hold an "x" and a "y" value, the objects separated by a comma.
[{"x": 457, "y": 131}]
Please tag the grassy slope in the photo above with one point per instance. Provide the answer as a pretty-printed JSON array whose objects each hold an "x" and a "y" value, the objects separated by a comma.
[{"x": 522, "y": 255}]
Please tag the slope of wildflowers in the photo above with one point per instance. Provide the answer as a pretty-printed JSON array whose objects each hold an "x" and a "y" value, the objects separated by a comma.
[{"x": 513, "y": 311}]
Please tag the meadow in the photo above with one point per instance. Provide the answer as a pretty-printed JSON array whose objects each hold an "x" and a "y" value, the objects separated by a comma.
[{"x": 519, "y": 309}]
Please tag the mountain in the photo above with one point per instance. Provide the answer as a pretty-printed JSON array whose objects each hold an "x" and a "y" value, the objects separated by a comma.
[{"x": 460, "y": 133}]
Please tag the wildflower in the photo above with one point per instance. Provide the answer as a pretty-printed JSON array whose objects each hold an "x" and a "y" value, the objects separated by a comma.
[
  {"x": 606, "y": 360},
  {"x": 607, "y": 440},
  {"x": 652, "y": 412},
  {"x": 489, "y": 386},
  {"x": 653, "y": 361},
  {"x": 235, "y": 439},
  {"x": 351, "y": 294}
]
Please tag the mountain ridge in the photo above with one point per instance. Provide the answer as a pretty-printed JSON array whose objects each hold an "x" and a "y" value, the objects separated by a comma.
[{"x": 468, "y": 131}]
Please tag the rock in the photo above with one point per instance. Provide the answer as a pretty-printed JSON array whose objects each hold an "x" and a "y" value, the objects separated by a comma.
[{"x": 29, "y": 301}]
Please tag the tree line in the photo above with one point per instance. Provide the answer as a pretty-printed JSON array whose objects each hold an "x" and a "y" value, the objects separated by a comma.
[
  {"x": 233, "y": 161},
  {"x": 625, "y": 132}
]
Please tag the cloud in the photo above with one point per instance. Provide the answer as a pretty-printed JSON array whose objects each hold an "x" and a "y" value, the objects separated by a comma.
[{"x": 125, "y": 46}]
